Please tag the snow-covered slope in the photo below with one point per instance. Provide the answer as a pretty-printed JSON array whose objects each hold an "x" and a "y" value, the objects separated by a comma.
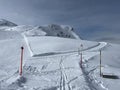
[
  {"x": 53, "y": 63},
  {"x": 46, "y": 72},
  {"x": 110, "y": 66}
]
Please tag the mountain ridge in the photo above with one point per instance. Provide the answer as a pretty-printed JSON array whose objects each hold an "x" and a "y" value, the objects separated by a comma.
[{"x": 4, "y": 22}]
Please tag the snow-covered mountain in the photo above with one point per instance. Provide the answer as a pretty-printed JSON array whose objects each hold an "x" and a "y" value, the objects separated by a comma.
[
  {"x": 52, "y": 60},
  {"x": 4, "y": 22},
  {"x": 50, "y": 30}
]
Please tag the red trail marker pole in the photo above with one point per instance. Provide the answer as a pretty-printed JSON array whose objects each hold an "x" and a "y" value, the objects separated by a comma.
[
  {"x": 21, "y": 61},
  {"x": 81, "y": 60},
  {"x": 81, "y": 56},
  {"x": 100, "y": 65}
]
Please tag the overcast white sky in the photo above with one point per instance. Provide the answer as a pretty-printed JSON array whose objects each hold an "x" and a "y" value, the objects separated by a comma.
[{"x": 88, "y": 17}]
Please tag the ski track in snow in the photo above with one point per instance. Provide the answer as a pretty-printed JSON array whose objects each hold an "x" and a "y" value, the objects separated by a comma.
[{"x": 64, "y": 85}]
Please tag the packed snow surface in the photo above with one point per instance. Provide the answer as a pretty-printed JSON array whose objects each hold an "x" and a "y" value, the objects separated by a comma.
[{"x": 54, "y": 63}]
